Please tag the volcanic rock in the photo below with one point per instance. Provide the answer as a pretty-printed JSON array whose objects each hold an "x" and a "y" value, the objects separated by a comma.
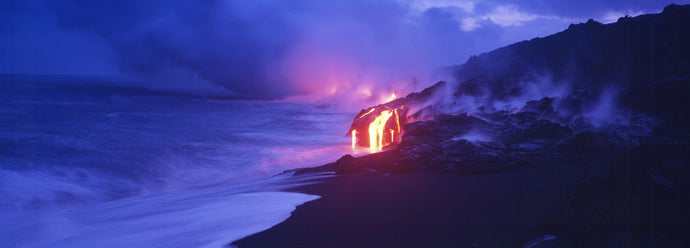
[
  {"x": 642, "y": 201},
  {"x": 627, "y": 81},
  {"x": 346, "y": 164}
]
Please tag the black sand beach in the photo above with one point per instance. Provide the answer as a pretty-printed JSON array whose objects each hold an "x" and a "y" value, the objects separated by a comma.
[
  {"x": 591, "y": 167},
  {"x": 427, "y": 209}
]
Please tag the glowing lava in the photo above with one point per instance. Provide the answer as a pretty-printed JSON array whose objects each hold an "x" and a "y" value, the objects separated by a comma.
[
  {"x": 397, "y": 121},
  {"x": 379, "y": 125},
  {"x": 393, "y": 97},
  {"x": 367, "y": 113},
  {"x": 376, "y": 130}
]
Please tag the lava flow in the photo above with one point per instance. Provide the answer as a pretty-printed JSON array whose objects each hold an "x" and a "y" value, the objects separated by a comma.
[
  {"x": 380, "y": 126},
  {"x": 376, "y": 128}
]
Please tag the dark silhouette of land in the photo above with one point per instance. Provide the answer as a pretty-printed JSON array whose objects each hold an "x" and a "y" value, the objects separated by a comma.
[{"x": 604, "y": 164}]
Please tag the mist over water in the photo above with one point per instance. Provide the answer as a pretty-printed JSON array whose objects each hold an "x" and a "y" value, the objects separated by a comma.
[
  {"x": 106, "y": 142},
  {"x": 71, "y": 145}
]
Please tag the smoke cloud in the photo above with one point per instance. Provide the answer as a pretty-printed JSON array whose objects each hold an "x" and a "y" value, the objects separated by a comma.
[
  {"x": 352, "y": 51},
  {"x": 269, "y": 49}
]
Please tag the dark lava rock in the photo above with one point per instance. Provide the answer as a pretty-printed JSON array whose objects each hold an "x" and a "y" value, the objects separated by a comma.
[
  {"x": 346, "y": 164},
  {"x": 644, "y": 59},
  {"x": 547, "y": 130},
  {"x": 469, "y": 157},
  {"x": 544, "y": 107},
  {"x": 594, "y": 142},
  {"x": 642, "y": 202},
  {"x": 464, "y": 143},
  {"x": 631, "y": 53}
]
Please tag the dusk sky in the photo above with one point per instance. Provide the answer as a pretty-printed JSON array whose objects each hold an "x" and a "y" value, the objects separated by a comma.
[{"x": 274, "y": 49}]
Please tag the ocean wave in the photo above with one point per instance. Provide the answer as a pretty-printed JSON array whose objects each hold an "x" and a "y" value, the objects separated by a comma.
[{"x": 201, "y": 217}]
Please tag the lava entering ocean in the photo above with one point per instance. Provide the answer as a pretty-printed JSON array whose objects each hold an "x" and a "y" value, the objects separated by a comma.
[{"x": 371, "y": 128}]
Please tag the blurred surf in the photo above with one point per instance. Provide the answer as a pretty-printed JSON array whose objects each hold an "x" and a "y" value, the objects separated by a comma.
[{"x": 68, "y": 150}]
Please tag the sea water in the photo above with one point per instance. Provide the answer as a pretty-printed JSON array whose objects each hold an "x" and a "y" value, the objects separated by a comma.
[{"x": 86, "y": 164}]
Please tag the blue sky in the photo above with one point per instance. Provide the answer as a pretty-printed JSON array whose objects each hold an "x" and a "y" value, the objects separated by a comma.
[{"x": 273, "y": 49}]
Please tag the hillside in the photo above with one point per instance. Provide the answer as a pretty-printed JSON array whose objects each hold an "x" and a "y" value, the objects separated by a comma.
[
  {"x": 645, "y": 59},
  {"x": 578, "y": 139}
]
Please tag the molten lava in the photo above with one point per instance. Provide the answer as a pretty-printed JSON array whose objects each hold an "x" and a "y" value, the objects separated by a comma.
[
  {"x": 397, "y": 120},
  {"x": 367, "y": 113},
  {"x": 390, "y": 99},
  {"x": 379, "y": 126},
  {"x": 376, "y": 130}
]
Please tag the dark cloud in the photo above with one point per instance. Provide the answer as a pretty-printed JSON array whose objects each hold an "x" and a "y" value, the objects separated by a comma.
[
  {"x": 581, "y": 8},
  {"x": 241, "y": 45},
  {"x": 31, "y": 42},
  {"x": 272, "y": 49},
  {"x": 230, "y": 43}
]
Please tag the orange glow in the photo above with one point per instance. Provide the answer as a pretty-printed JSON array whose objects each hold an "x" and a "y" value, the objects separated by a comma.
[
  {"x": 365, "y": 114},
  {"x": 382, "y": 122},
  {"x": 397, "y": 120},
  {"x": 393, "y": 97},
  {"x": 376, "y": 130}
]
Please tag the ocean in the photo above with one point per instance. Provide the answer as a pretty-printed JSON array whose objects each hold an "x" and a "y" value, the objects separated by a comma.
[{"x": 86, "y": 164}]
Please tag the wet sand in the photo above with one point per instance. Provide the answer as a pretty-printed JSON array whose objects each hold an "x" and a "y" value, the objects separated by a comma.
[{"x": 426, "y": 209}]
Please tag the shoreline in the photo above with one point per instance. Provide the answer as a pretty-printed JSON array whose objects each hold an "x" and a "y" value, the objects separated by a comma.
[
  {"x": 607, "y": 198},
  {"x": 424, "y": 208}
]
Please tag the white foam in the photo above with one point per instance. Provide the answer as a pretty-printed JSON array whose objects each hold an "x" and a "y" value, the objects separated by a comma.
[{"x": 207, "y": 217}]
